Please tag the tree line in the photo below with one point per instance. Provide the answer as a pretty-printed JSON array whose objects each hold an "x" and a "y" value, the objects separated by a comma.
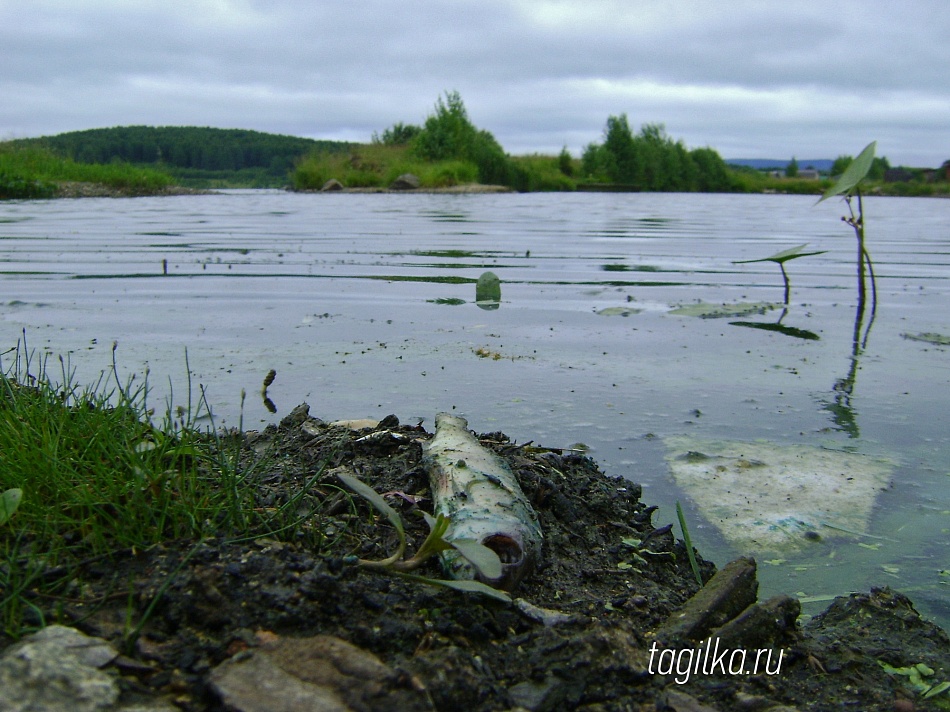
[
  {"x": 188, "y": 147},
  {"x": 651, "y": 160}
]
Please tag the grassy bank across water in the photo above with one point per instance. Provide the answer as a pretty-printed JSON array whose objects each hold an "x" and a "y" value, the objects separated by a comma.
[{"x": 34, "y": 172}]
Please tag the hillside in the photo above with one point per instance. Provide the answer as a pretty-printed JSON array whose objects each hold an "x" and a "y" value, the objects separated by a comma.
[{"x": 197, "y": 156}]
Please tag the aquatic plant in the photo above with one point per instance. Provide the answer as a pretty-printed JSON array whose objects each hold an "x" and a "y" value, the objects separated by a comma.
[
  {"x": 849, "y": 186},
  {"x": 780, "y": 258},
  {"x": 480, "y": 556}
]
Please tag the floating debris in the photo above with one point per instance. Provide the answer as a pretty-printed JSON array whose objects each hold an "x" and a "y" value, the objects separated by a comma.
[{"x": 766, "y": 497}]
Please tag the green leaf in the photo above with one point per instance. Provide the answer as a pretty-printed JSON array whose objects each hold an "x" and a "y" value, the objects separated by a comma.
[
  {"x": 464, "y": 586},
  {"x": 481, "y": 557},
  {"x": 937, "y": 689},
  {"x": 783, "y": 256},
  {"x": 9, "y": 501},
  {"x": 854, "y": 173},
  {"x": 375, "y": 499}
]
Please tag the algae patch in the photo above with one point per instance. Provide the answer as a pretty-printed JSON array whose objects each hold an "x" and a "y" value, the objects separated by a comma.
[
  {"x": 705, "y": 310},
  {"x": 766, "y": 497},
  {"x": 618, "y": 311},
  {"x": 930, "y": 338}
]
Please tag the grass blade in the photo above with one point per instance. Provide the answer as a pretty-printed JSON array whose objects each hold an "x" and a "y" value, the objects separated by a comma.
[{"x": 689, "y": 545}]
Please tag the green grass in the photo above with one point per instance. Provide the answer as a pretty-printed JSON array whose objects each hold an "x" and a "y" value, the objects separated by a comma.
[
  {"x": 752, "y": 181},
  {"x": 543, "y": 173},
  {"x": 100, "y": 479},
  {"x": 377, "y": 166},
  {"x": 34, "y": 172}
]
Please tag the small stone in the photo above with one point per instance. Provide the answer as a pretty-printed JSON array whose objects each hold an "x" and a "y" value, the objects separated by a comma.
[
  {"x": 317, "y": 673},
  {"x": 407, "y": 181},
  {"x": 57, "y": 669}
]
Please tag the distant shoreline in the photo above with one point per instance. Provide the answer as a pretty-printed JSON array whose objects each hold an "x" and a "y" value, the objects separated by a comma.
[{"x": 73, "y": 189}]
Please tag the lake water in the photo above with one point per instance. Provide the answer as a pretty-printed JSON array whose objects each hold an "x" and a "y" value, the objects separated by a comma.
[{"x": 365, "y": 306}]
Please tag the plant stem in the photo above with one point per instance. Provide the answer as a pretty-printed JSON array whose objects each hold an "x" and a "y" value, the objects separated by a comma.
[{"x": 689, "y": 545}]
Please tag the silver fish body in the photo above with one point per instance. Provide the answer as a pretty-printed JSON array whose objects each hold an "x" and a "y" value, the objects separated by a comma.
[{"x": 475, "y": 489}]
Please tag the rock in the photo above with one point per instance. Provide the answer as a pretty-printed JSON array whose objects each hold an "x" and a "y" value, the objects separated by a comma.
[
  {"x": 538, "y": 696},
  {"x": 672, "y": 700},
  {"x": 319, "y": 673},
  {"x": 762, "y": 624},
  {"x": 725, "y": 595},
  {"x": 57, "y": 669},
  {"x": 331, "y": 185},
  {"x": 407, "y": 181}
]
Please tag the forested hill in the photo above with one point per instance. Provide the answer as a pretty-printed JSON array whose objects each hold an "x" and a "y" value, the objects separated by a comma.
[{"x": 194, "y": 149}]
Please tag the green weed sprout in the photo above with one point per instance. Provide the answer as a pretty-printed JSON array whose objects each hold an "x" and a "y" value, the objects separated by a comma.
[
  {"x": 915, "y": 675},
  {"x": 689, "y": 545},
  {"x": 849, "y": 186},
  {"x": 481, "y": 557},
  {"x": 780, "y": 258}
]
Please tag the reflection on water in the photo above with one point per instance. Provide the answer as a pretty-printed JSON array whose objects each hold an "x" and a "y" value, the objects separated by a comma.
[{"x": 364, "y": 306}]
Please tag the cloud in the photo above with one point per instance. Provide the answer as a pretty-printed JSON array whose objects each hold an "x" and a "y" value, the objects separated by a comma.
[{"x": 755, "y": 77}]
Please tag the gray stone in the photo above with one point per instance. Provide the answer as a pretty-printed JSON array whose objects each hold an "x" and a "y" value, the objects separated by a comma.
[
  {"x": 407, "y": 181},
  {"x": 57, "y": 669},
  {"x": 672, "y": 700},
  {"x": 319, "y": 673}
]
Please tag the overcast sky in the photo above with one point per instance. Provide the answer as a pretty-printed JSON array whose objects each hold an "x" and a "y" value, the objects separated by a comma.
[{"x": 750, "y": 78}]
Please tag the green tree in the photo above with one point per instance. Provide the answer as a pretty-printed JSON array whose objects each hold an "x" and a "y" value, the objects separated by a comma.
[
  {"x": 565, "y": 163},
  {"x": 878, "y": 166},
  {"x": 399, "y": 134},
  {"x": 448, "y": 134},
  {"x": 841, "y": 165},
  {"x": 791, "y": 170}
]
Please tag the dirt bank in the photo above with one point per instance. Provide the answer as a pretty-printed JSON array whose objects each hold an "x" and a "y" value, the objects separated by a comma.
[{"x": 611, "y": 587}]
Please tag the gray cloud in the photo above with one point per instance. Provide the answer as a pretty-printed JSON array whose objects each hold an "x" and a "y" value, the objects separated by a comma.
[{"x": 749, "y": 78}]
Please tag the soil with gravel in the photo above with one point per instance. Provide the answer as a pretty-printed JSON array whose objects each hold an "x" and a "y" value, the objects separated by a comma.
[{"x": 610, "y": 581}]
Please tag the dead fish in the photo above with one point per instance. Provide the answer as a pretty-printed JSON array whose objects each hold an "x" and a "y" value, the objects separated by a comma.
[{"x": 476, "y": 490}]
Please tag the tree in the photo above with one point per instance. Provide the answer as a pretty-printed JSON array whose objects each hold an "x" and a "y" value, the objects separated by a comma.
[
  {"x": 621, "y": 159},
  {"x": 791, "y": 170},
  {"x": 448, "y": 134},
  {"x": 841, "y": 165},
  {"x": 565, "y": 162},
  {"x": 399, "y": 134}
]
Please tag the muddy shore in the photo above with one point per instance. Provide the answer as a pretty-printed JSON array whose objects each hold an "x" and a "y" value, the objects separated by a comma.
[{"x": 613, "y": 590}]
